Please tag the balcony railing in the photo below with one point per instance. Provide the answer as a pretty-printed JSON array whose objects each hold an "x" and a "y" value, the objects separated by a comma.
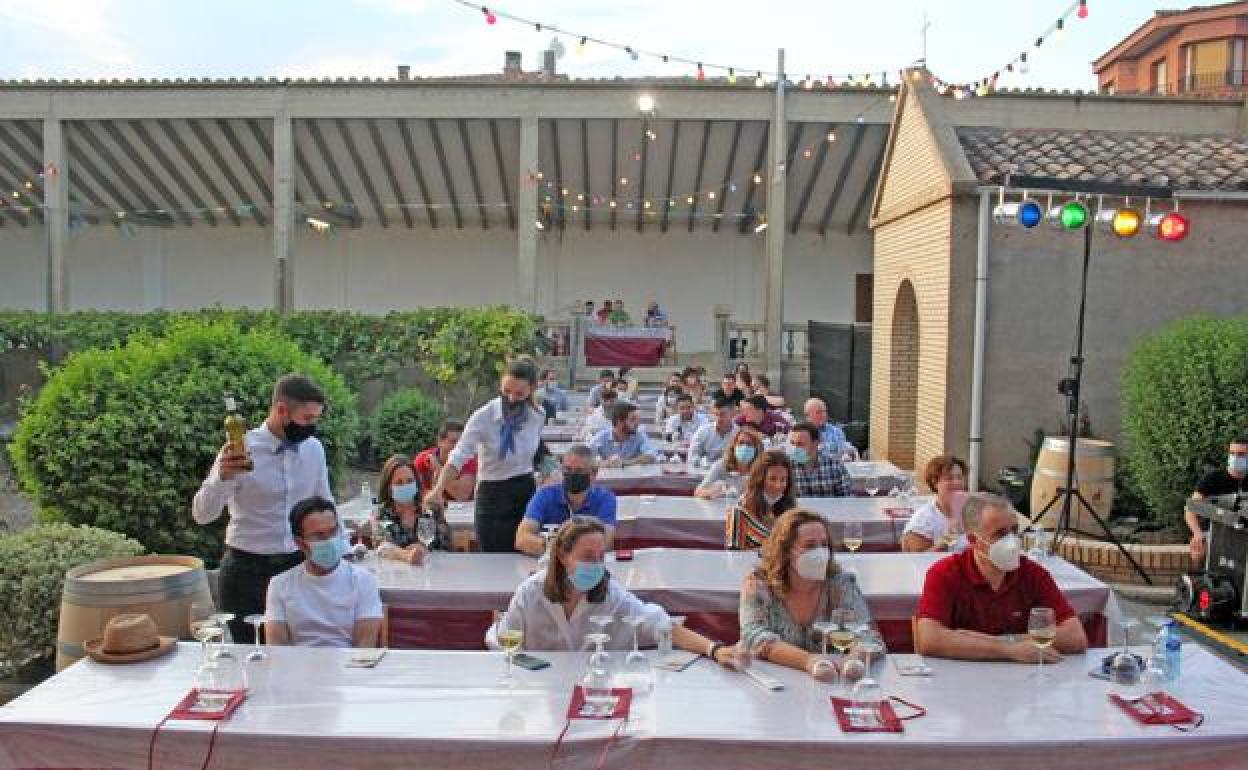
[{"x": 1200, "y": 83}]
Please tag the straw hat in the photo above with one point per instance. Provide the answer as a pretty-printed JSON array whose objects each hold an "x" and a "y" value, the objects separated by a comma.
[{"x": 129, "y": 638}]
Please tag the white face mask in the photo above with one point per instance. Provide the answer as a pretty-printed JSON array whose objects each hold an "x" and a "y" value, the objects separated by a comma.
[
  {"x": 771, "y": 499},
  {"x": 813, "y": 564},
  {"x": 1005, "y": 553}
]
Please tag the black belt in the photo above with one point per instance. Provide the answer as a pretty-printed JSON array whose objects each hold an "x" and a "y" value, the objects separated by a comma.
[{"x": 262, "y": 558}]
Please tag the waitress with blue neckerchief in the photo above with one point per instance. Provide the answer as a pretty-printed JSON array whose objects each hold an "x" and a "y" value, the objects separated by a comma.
[{"x": 505, "y": 435}]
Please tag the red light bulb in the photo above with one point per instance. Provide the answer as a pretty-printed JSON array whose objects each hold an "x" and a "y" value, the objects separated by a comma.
[
  {"x": 1205, "y": 601},
  {"x": 701, "y": 73},
  {"x": 1173, "y": 227},
  {"x": 490, "y": 18},
  {"x": 1083, "y": 9}
]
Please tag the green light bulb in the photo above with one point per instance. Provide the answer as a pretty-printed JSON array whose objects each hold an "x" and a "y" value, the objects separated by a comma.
[{"x": 1074, "y": 215}]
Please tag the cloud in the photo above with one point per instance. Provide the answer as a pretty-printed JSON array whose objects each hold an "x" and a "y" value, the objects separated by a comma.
[{"x": 84, "y": 33}]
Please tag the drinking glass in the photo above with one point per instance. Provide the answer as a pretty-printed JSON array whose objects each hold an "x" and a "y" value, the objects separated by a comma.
[
  {"x": 601, "y": 621},
  {"x": 852, "y": 535},
  {"x": 872, "y": 485},
  {"x": 257, "y": 653},
  {"x": 636, "y": 665},
  {"x": 823, "y": 628},
  {"x": 223, "y": 619},
  {"x": 205, "y": 631},
  {"x": 596, "y": 684},
  {"x": 866, "y": 697},
  {"x": 1124, "y": 668},
  {"x": 1041, "y": 632},
  {"x": 426, "y": 533},
  {"x": 510, "y": 640},
  {"x": 870, "y": 643},
  {"x": 841, "y": 635}
]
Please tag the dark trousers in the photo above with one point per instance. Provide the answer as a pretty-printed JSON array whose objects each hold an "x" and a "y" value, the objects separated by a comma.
[
  {"x": 500, "y": 507},
  {"x": 243, "y": 584}
]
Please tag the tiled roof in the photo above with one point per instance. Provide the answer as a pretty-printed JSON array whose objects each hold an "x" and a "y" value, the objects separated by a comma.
[{"x": 1184, "y": 162}]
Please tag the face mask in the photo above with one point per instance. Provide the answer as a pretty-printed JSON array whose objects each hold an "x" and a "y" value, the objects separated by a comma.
[
  {"x": 813, "y": 564},
  {"x": 404, "y": 494},
  {"x": 587, "y": 575},
  {"x": 512, "y": 406},
  {"x": 797, "y": 454},
  {"x": 575, "y": 482},
  {"x": 1004, "y": 553},
  {"x": 771, "y": 499},
  {"x": 296, "y": 433},
  {"x": 1237, "y": 465},
  {"x": 744, "y": 453},
  {"x": 325, "y": 553},
  {"x": 671, "y": 401}
]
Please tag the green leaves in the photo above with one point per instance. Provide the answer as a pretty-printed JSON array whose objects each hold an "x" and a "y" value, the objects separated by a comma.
[
  {"x": 1183, "y": 397},
  {"x": 405, "y": 422},
  {"x": 32, "y": 573}
]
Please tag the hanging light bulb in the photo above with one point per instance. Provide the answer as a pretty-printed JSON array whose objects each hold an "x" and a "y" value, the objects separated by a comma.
[
  {"x": 1083, "y": 9},
  {"x": 758, "y": 179},
  {"x": 490, "y": 18},
  {"x": 631, "y": 53},
  {"x": 758, "y": 81},
  {"x": 689, "y": 200},
  {"x": 580, "y": 47},
  {"x": 710, "y": 195},
  {"x": 1023, "y": 65},
  {"x": 808, "y": 83},
  {"x": 831, "y": 136},
  {"x": 762, "y": 224},
  {"x": 701, "y": 72},
  {"x": 1172, "y": 227},
  {"x": 1058, "y": 29}
]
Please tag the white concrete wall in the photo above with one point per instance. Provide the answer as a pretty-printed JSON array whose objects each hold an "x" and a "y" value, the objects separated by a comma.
[{"x": 374, "y": 270}]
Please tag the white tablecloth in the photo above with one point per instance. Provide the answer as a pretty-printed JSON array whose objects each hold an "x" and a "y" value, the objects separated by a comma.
[{"x": 424, "y": 709}]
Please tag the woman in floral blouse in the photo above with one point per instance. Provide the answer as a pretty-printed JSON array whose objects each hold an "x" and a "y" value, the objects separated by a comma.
[
  {"x": 769, "y": 492},
  {"x": 796, "y": 584},
  {"x": 399, "y": 497}
]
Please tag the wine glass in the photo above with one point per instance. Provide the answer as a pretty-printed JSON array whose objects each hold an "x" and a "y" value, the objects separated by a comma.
[
  {"x": 510, "y": 640},
  {"x": 866, "y": 696},
  {"x": 841, "y": 635},
  {"x": 426, "y": 533},
  {"x": 1042, "y": 632},
  {"x": 223, "y": 619},
  {"x": 872, "y": 485},
  {"x": 205, "y": 630},
  {"x": 257, "y": 653},
  {"x": 596, "y": 684},
  {"x": 823, "y": 628},
  {"x": 852, "y": 536},
  {"x": 870, "y": 643},
  {"x": 1124, "y": 668},
  {"x": 601, "y": 621},
  {"x": 636, "y": 664}
]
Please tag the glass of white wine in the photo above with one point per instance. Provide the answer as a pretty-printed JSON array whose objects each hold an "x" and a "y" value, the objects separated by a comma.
[
  {"x": 1041, "y": 632},
  {"x": 426, "y": 533},
  {"x": 852, "y": 535},
  {"x": 510, "y": 639},
  {"x": 841, "y": 632},
  {"x": 206, "y": 630}
]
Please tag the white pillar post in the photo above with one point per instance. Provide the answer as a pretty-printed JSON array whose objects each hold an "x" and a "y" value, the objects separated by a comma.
[
  {"x": 283, "y": 212},
  {"x": 526, "y": 216},
  {"x": 777, "y": 179},
  {"x": 56, "y": 212}
]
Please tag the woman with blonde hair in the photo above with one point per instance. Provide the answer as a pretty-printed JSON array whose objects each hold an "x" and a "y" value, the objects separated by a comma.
[{"x": 796, "y": 584}]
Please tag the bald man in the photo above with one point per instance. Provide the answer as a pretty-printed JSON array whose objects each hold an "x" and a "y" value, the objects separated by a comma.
[{"x": 832, "y": 440}]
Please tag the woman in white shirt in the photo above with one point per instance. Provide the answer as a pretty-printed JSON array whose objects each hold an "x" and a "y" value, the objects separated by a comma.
[
  {"x": 935, "y": 527},
  {"x": 554, "y": 605},
  {"x": 504, "y": 435}
]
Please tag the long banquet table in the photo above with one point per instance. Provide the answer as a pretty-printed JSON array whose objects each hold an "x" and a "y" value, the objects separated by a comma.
[
  {"x": 447, "y": 604},
  {"x": 307, "y": 710}
]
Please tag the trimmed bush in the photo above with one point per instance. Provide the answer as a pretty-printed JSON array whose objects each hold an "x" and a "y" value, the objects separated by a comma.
[
  {"x": 32, "y": 573},
  {"x": 1182, "y": 401},
  {"x": 122, "y": 438},
  {"x": 405, "y": 422}
]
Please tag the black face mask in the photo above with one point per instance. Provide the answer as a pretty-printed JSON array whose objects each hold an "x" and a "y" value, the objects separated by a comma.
[
  {"x": 296, "y": 433},
  {"x": 575, "y": 482},
  {"x": 510, "y": 406}
]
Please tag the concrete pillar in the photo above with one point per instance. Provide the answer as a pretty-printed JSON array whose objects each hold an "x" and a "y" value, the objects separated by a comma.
[
  {"x": 777, "y": 180},
  {"x": 56, "y": 212},
  {"x": 283, "y": 212},
  {"x": 526, "y": 216}
]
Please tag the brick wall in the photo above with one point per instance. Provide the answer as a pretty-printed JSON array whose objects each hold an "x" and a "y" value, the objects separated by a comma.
[{"x": 903, "y": 377}]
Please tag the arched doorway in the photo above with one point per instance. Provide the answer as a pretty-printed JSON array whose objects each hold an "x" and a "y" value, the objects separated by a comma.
[{"x": 903, "y": 378}]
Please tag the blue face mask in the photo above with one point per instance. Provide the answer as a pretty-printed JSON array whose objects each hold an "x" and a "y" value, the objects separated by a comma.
[
  {"x": 404, "y": 494},
  {"x": 325, "y": 553},
  {"x": 798, "y": 454},
  {"x": 744, "y": 453},
  {"x": 1237, "y": 465},
  {"x": 587, "y": 575}
]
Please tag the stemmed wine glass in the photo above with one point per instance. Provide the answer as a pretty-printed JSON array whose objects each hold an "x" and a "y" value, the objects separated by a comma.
[
  {"x": 852, "y": 536},
  {"x": 510, "y": 639},
  {"x": 223, "y": 619},
  {"x": 257, "y": 654},
  {"x": 842, "y": 622},
  {"x": 871, "y": 644},
  {"x": 1042, "y": 632},
  {"x": 206, "y": 631},
  {"x": 426, "y": 533},
  {"x": 636, "y": 664},
  {"x": 601, "y": 621},
  {"x": 596, "y": 684},
  {"x": 1124, "y": 668}
]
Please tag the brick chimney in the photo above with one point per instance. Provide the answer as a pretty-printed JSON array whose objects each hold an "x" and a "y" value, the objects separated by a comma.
[
  {"x": 405, "y": 71},
  {"x": 513, "y": 64},
  {"x": 548, "y": 63}
]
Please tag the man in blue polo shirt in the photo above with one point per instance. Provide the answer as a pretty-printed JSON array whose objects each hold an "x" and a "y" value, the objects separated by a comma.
[{"x": 576, "y": 496}]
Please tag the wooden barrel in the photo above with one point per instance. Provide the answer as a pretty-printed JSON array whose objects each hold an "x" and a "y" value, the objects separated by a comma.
[
  {"x": 1094, "y": 478},
  {"x": 161, "y": 586}
]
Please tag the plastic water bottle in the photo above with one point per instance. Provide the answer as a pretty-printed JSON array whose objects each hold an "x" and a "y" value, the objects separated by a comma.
[
  {"x": 665, "y": 640},
  {"x": 1174, "y": 652}
]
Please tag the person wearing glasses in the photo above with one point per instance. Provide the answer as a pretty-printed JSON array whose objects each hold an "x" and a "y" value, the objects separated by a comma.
[
  {"x": 325, "y": 601},
  {"x": 796, "y": 584},
  {"x": 577, "y": 495},
  {"x": 976, "y": 604}
]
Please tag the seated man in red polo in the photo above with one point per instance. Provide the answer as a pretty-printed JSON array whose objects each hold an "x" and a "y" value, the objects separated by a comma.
[
  {"x": 428, "y": 464},
  {"x": 976, "y": 603}
]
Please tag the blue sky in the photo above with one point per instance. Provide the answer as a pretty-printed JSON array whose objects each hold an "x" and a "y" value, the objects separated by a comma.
[{"x": 177, "y": 38}]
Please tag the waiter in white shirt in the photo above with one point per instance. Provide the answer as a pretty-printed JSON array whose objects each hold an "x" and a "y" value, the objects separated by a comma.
[
  {"x": 504, "y": 435},
  {"x": 289, "y": 466}
]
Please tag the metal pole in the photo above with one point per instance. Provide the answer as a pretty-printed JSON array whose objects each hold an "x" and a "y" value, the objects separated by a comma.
[
  {"x": 776, "y": 218},
  {"x": 977, "y": 356}
]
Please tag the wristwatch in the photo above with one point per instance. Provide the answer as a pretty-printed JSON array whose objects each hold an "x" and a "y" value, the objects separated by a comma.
[{"x": 715, "y": 647}]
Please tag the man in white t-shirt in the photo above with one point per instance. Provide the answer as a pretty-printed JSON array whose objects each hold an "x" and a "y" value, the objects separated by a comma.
[{"x": 325, "y": 601}]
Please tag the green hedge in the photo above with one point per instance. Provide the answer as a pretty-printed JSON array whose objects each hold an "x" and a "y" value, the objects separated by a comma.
[
  {"x": 1183, "y": 398},
  {"x": 32, "y": 573},
  {"x": 122, "y": 438},
  {"x": 405, "y": 422},
  {"x": 361, "y": 347}
]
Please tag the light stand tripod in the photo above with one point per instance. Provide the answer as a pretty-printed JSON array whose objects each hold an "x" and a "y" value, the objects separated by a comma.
[{"x": 1069, "y": 494}]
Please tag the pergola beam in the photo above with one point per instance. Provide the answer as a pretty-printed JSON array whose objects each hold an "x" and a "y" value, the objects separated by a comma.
[
  {"x": 727, "y": 182},
  {"x": 842, "y": 175},
  {"x": 171, "y": 168},
  {"x": 446, "y": 172},
  {"x": 409, "y": 147},
  {"x": 697, "y": 177},
  {"x": 503, "y": 181},
  {"x": 374, "y": 134},
  {"x": 365, "y": 178},
  {"x": 671, "y": 175},
  {"x": 473, "y": 176}
]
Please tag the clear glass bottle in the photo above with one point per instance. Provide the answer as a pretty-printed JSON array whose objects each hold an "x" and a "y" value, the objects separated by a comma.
[{"x": 236, "y": 431}]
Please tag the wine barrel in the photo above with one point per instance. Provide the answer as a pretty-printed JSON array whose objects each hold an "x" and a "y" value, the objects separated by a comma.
[
  {"x": 162, "y": 586},
  {"x": 1094, "y": 478}
]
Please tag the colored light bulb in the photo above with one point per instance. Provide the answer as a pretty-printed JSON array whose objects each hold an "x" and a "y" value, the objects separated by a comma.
[
  {"x": 1126, "y": 223},
  {"x": 1172, "y": 227},
  {"x": 1029, "y": 214}
]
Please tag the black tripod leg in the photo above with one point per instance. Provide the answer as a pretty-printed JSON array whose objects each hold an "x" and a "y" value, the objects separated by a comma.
[{"x": 1109, "y": 535}]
